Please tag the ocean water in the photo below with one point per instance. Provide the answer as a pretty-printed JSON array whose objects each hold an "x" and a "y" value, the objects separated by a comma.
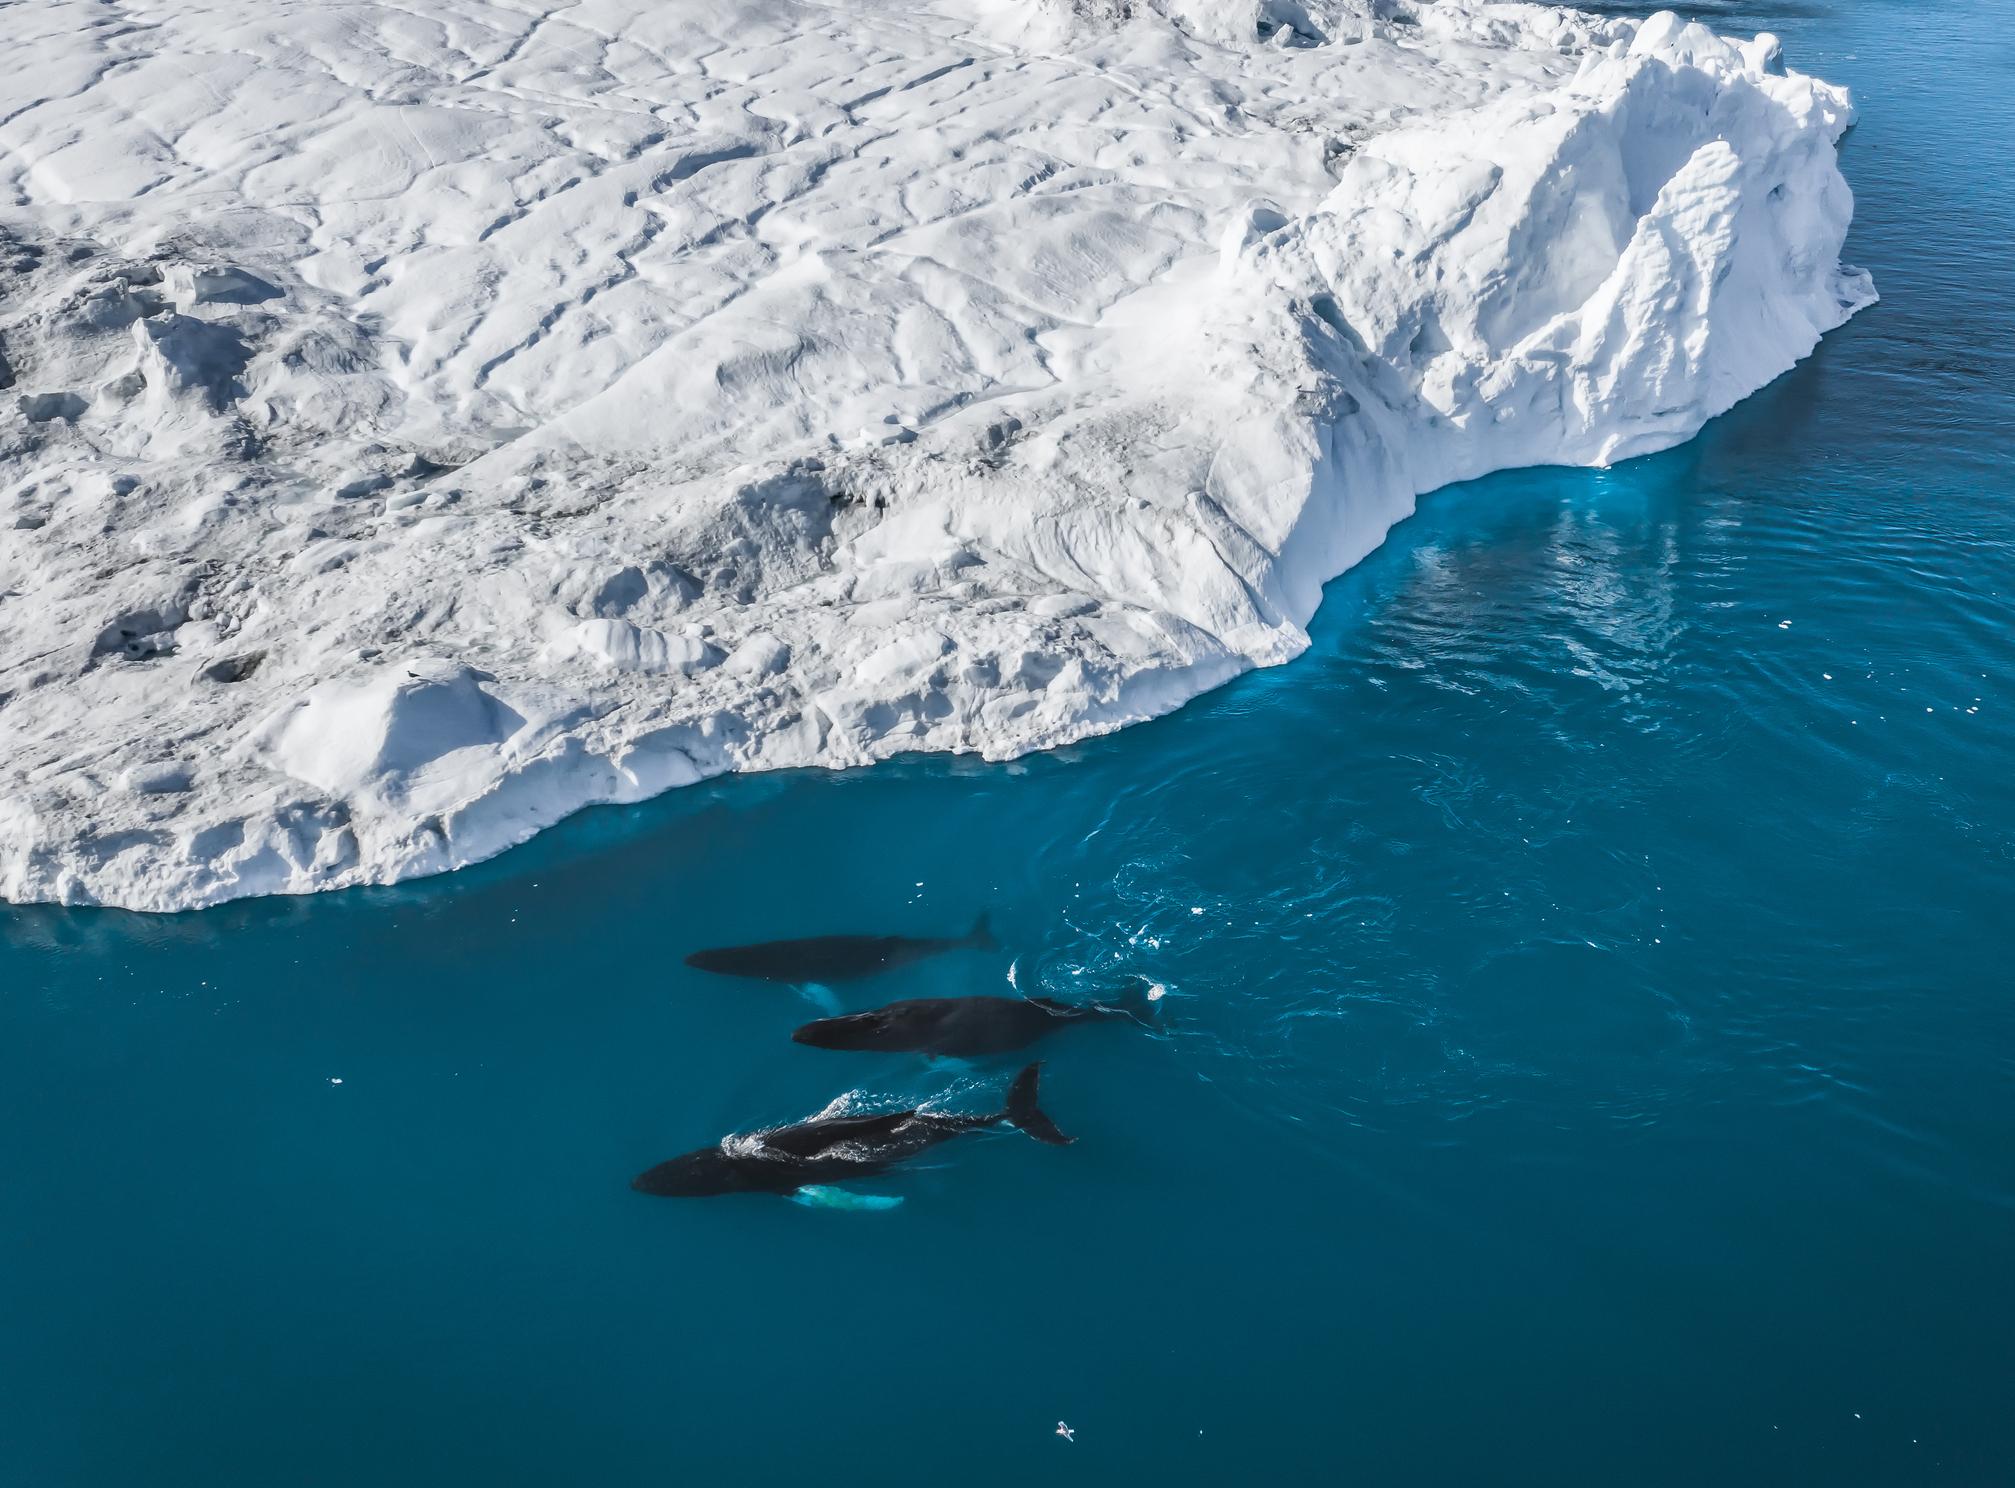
[{"x": 1590, "y": 1052}]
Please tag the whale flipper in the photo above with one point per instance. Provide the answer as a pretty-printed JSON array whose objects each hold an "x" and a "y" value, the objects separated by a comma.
[
  {"x": 820, "y": 996},
  {"x": 824, "y": 1196},
  {"x": 1023, "y": 1113}
]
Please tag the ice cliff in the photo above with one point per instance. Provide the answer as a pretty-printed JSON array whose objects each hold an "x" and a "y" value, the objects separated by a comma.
[{"x": 421, "y": 422}]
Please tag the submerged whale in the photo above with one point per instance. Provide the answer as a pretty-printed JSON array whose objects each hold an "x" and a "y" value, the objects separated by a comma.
[
  {"x": 835, "y": 958},
  {"x": 965, "y": 1027},
  {"x": 801, "y": 1160}
]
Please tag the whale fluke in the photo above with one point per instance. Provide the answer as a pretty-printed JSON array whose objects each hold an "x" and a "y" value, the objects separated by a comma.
[{"x": 1025, "y": 1115}]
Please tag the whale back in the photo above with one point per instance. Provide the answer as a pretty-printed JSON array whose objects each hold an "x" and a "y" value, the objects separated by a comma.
[
  {"x": 834, "y": 958},
  {"x": 817, "y": 958}
]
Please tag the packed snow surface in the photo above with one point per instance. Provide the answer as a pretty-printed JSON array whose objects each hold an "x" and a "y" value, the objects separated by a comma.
[{"x": 423, "y": 420}]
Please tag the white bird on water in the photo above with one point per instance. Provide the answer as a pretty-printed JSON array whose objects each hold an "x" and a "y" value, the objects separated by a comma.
[{"x": 1065, "y": 1432}]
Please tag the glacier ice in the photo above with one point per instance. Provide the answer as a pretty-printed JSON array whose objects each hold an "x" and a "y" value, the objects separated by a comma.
[{"x": 421, "y": 422}]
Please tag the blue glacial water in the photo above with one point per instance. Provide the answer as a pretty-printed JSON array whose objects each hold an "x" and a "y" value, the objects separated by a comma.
[{"x": 1592, "y": 1057}]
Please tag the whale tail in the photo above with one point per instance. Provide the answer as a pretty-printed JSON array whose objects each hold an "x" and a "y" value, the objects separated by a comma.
[
  {"x": 981, "y": 936},
  {"x": 1023, "y": 1113}
]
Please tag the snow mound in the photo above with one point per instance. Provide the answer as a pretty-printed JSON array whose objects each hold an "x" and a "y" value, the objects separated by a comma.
[
  {"x": 380, "y": 734},
  {"x": 423, "y": 422}
]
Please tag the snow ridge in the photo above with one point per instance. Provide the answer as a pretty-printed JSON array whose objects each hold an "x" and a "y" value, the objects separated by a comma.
[{"x": 421, "y": 423}]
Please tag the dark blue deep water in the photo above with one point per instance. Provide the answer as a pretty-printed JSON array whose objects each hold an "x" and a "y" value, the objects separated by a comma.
[{"x": 1593, "y": 1056}]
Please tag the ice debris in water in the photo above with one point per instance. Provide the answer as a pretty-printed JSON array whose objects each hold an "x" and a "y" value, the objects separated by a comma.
[{"x": 441, "y": 417}]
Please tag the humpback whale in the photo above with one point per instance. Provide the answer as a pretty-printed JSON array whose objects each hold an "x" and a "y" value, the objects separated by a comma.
[
  {"x": 966, "y": 1027},
  {"x": 835, "y": 958},
  {"x": 801, "y": 1160}
]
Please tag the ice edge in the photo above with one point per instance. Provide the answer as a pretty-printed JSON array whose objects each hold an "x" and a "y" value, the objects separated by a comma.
[{"x": 1580, "y": 269}]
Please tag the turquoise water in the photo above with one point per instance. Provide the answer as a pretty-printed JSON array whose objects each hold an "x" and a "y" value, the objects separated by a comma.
[{"x": 1592, "y": 1056}]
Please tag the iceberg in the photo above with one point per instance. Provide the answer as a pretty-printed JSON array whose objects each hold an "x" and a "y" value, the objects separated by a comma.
[{"x": 422, "y": 422}]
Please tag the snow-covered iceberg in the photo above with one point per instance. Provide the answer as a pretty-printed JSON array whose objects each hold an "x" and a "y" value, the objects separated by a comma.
[{"x": 421, "y": 422}]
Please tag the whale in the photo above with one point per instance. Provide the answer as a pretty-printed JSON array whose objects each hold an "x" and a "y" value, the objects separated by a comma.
[
  {"x": 820, "y": 959},
  {"x": 968, "y": 1027},
  {"x": 805, "y": 1160}
]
